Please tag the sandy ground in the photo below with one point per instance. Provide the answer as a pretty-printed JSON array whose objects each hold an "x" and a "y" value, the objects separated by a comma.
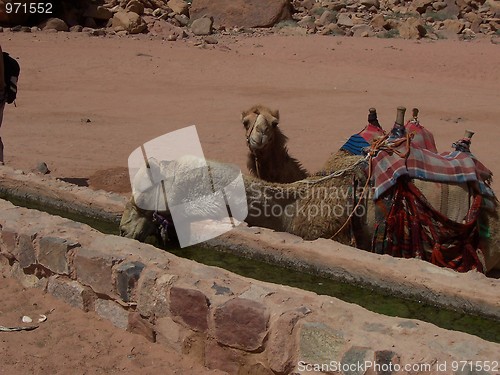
[
  {"x": 85, "y": 103},
  {"x": 72, "y": 341}
]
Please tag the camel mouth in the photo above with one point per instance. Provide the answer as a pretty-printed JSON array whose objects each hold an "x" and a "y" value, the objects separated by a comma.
[{"x": 256, "y": 145}]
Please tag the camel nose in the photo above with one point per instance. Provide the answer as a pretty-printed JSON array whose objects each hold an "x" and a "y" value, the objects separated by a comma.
[
  {"x": 259, "y": 136},
  {"x": 257, "y": 140}
]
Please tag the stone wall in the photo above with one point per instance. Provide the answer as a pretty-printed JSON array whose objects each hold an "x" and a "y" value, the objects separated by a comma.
[{"x": 219, "y": 319}]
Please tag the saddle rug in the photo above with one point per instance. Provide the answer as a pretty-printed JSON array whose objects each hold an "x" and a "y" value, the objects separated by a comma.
[{"x": 454, "y": 167}]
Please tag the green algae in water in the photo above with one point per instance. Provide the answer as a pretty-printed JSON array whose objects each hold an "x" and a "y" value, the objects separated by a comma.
[
  {"x": 372, "y": 300},
  {"x": 101, "y": 225}
]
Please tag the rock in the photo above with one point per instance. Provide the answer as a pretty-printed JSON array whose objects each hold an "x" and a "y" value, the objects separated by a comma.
[
  {"x": 165, "y": 29},
  {"x": 98, "y": 12},
  {"x": 468, "y": 33},
  {"x": 210, "y": 40},
  {"x": 320, "y": 343},
  {"x": 182, "y": 19},
  {"x": 474, "y": 19},
  {"x": 152, "y": 293},
  {"x": 90, "y": 23},
  {"x": 42, "y": 168},
  {"x": 378, "y": 22},
  {"x": 135, "y": 6},
  {"x": 412, "y": 28},
  {"x": 70, "y": 291},
  {"x": 451, "y": 11},
  {"x": 191, "y": 306},
  {"x": 128, "y": 21},
  {"x": 24, "y": 251},
  {"x": 307, "y": 22},
  {"x": 95, "y": 269},
  {"x": 97, "y": 32},
  {"x": 139, "y": 325},
  {"x": 202, "y": 26},
  {"x": 179, "y": 6},
  {"x": 421, "y": 5},
  {"x": 333, "y": 29},
  {"x": 242, "y": 13},
  {"x": 371, "y": 3},
  {"x": 386, "y": 359},
  {"x": 52, "y": 254},
  {"x": 356, "y": 355},
  {"x": 113, "y": 312},
  {"x": 345, "y": 20},
  {"x": 127, "y": 276},
  {"x": 438, "y": 5},
  {"x": 222, "y": 358},
  {"x": 76, "y": 29},
  {"x": 54, "y": 24},
  {"x": 454, "y": 26},
  {"x": 241, "y": 323},
  {"x": 282, "y": 344},
  {"x": 362, "y": 31},
  {"x": 326, "y": 18}
]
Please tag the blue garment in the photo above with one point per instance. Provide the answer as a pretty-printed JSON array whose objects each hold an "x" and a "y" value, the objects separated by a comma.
[{"x": 355, "y": 145}]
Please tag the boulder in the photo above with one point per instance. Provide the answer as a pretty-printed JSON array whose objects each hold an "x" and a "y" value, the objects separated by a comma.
[
  {"x": 421, "y": 5},
  {"x": 166, "y": 29},
  {"x": 135, "y": 6},
  {"x": 454, "y": 26},
  {"x": 98, "y": 12},
  {"x": 345, "y": 20},
  {"x": 179, "y": 7},
  {"x": 241, "y": 323},
  {"x": 378, "y": 22},
  {"x": 54, "y": 24},
  {"x": 362, "y": 31},
  {"x": 242, "y": 13},
  {"x": 202, "y": 26},
  {"x": 128, "y": 21},
  {"x": 412, "y": 28},
  {"x": 326, "y": 18},
  {"x": 371, "y": 3}
]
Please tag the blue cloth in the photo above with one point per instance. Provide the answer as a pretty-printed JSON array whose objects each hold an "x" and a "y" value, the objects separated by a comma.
[{"x": 355, "y": 145}]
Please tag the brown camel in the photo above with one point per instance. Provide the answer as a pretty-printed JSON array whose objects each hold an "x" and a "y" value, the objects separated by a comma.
[
  {"x": 319, "y": 206},
  {"x": 268, "y": 157}
]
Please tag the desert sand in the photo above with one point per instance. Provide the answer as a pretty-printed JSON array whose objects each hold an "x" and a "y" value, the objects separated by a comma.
[{"x": 85, "y": 103}]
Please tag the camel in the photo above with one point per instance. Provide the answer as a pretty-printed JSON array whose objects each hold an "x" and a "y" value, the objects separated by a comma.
[
  {"x": 268, "y": 157},
  {"x": 318, "y": 206},
  {"x": 321, "y": 202}
]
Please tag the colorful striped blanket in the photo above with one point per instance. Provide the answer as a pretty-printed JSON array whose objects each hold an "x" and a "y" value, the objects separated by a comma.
[
  {"x": 453, "y": 167},
  {"x": 422, "y": 137},
  {"x": 357, "y": 142}
]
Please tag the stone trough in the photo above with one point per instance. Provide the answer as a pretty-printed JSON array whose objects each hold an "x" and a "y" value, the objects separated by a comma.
[{"x": 229, "y": 322}]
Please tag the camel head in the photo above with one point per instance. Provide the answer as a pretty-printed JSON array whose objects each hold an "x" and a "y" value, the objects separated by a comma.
[{"x": 261, "y": 125}]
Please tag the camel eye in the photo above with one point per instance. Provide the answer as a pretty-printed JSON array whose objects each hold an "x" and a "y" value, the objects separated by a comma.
[
  {"x": 274, "y": 123},
  {"x": 246, "y": 123}
]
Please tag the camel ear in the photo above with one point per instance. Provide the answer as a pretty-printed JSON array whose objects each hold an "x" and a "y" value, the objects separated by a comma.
[
  {"x": 276, "y": 118},
  {"x": 276, "y": 114},
  {"x": 245, "y": 120}
]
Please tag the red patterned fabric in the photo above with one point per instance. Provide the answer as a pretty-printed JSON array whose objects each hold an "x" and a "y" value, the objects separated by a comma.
[
  {"x": 422, "y": 137},
  {"x": 414, "y": 229},
  {"x": 370, "y": 132},
  {"x": 456, "y": 167}
]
